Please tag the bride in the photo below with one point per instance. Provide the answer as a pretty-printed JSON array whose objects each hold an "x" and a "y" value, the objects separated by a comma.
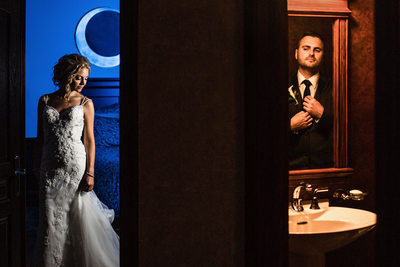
[{"x": 74, "y": 226}]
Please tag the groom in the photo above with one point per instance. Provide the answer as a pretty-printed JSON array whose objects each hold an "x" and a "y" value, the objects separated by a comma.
[{"x": 310, "y": 108}]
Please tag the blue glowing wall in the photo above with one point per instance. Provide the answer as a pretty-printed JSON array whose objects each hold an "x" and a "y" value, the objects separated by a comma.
[
  {"x": 50, "y": 33},
  {"x": 104, "y": 93}
]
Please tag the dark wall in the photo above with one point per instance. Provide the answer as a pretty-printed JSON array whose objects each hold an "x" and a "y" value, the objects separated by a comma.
[
  {"x": 362, "y": 98},
  {"x": 387, "y": 131},
  {"x": 361, "y": 88},
  {"x": 266, "y": 127},
  {"x": 191, "y": 135}
]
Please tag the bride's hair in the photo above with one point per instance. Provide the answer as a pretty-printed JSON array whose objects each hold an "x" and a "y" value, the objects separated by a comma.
[{"x": 65, "y": 70}]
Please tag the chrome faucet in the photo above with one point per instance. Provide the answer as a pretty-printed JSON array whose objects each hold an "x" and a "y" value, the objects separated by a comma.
[
  {"x": 314, "y": 201},
  {"x": 296, "y": 200}
]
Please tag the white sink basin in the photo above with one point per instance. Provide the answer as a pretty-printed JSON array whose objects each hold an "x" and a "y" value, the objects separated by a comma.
[{"x": 317, "y": 232}]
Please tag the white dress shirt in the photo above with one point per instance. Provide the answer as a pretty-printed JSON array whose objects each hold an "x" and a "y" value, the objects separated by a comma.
[{"x": 314, "y": 83}]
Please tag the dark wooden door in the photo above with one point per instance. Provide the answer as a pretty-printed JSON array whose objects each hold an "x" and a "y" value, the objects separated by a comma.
[{"x": 12, "y": 194}]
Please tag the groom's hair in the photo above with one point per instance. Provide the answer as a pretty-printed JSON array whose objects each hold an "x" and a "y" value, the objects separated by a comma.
[{"x": 312, "y": 34}]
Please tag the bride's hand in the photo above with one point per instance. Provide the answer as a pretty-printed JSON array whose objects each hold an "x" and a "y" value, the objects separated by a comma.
[{"x": 89, "y": 182}]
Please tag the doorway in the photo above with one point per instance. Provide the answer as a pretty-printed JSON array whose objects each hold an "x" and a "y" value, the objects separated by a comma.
[{"x": 49, "y": 35}]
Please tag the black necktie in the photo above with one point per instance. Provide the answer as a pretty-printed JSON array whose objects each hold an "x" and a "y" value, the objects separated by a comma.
[{"x": 307, "y": 90}]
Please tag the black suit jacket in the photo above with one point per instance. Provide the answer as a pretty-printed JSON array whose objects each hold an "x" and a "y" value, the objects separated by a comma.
[{"x": 312, "y": 148}]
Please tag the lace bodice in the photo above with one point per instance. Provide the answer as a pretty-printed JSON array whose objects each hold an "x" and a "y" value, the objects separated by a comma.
[
  {"x": 70, "y": 119},
  {"x": 62, "y": 133}
]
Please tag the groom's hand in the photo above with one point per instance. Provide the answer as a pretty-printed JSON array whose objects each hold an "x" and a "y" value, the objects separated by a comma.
[
  {"x": 300, "y": 121},
  {"x": 312, "y": 106}
]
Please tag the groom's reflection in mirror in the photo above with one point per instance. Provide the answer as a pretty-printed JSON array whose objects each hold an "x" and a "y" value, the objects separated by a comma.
[{"x": 310, "y": 108}]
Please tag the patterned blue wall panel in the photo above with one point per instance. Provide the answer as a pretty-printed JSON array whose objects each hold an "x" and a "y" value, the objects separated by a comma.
[{"x": 105, "y": 96}]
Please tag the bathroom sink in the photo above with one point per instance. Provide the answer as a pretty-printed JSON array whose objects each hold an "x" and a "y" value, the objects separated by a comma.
[{"x": 320, "y": 231}]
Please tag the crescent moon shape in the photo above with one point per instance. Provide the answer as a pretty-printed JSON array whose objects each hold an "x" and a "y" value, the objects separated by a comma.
[{"x": 83, "y": 46}]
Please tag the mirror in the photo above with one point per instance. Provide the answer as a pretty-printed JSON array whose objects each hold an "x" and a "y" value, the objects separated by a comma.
[
  {"x": 331, "y": 22},
  {"x": 311, "y": 118}
]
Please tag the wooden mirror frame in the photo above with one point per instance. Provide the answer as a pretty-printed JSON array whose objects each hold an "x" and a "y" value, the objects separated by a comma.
[{"x": 337, "y": 10}]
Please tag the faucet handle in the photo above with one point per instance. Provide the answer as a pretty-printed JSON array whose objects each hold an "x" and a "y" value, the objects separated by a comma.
[
  {"x": 314, "y": 201},
  {"x": 340, "y": 194}
]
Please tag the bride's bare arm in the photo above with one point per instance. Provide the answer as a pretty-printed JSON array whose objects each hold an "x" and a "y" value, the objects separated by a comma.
[{"x": 89, "y": 142}]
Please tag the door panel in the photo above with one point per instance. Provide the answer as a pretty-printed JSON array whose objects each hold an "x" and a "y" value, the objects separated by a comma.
[
  {"x": 12, "y": 190},
  {"x": 4, "y": 103},
  {"x": 4, "y": 241}
]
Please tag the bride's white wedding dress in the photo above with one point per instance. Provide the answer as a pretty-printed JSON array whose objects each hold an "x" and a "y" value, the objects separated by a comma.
[{"x": 75, "y": 226}]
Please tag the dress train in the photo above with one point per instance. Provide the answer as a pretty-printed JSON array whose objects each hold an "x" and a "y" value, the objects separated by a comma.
[{"x": 92, "y": 232}]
